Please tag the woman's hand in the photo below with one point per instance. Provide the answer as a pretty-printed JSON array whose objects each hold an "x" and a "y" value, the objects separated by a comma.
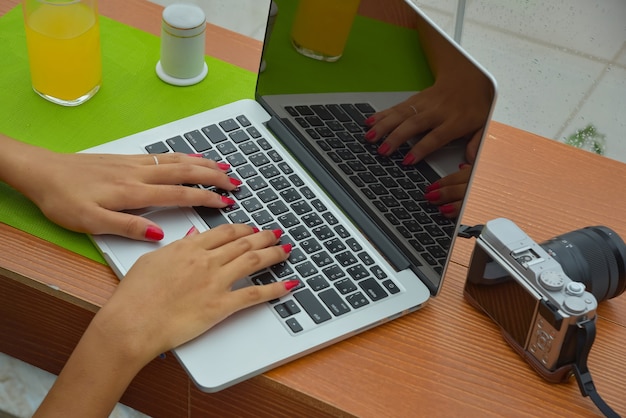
[
  {"x": 168, "y": 297},
  {"x": 450, "y": 109},
  {"x": 87, "y": 192},
  {"x": 448, "y": 193}
]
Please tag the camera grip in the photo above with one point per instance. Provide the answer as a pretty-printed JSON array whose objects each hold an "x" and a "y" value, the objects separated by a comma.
[{"x": 560, "y": 375}]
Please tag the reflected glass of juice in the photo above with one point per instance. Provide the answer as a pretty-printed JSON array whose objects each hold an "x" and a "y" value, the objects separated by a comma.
[
  {"x": 63, "y": 40},
  {"x": 321, "y": 27}
]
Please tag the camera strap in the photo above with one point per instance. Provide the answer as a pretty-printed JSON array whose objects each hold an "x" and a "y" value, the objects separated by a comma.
[{"x": 583, "y": 346}]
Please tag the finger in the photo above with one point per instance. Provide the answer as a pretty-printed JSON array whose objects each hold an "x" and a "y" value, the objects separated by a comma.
[
  {"x": 471, "y": 149},
  {"x": 175, "y": 158},
  {"x": 171, "y": 174},
  {"x": 103, "y": 221},
  {"x": 252, "y": 295},
  {"x": 246, "y": 246},
  {"x": 141, "y": 196},
  {"x": 222, "y": 235},
  {"x": 451, "y": 210}
]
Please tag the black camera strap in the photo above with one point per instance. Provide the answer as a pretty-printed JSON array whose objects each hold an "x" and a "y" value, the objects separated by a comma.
[{"x": 583, "y": 346}]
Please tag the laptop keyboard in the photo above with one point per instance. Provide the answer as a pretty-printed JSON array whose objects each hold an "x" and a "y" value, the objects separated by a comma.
[
  {"x": 390, "y": 188},
  {"x": 337, "y": 275}
]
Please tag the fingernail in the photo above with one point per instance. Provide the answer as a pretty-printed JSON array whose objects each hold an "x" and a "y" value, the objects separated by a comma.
[
  {"x": 223, "y": 166},
  {"x": 432, "y": 196},
  {"x": 154, "y": 233},
  {"x": 370, "y": 135},
  {"x": 255, "y": 229},
  {"x": 463, "y": 165},
  {"x": 433, "y": 186},
  {"x": 370, "y": 120},
  {"x": 196, "y": 155},
  {"x": 287, "y": 248},
  {"x": 277, "y": 233},
  {"x": 227, "y": 200},
  {"x": 384, "y": 148},
  {"x": 446, "y": 209},
  {"x": 290, "y": 284},
  {"x": 191, "y": 231},
  {"x": 409, "y": 159},
  {"x": 235, "y": 182}
]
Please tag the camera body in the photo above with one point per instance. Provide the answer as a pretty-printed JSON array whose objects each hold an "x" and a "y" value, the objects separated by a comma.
[{"x": 525, "y": 291}]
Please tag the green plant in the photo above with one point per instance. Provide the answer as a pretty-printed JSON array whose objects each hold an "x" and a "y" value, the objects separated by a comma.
[{"x": 588, "y": 139}]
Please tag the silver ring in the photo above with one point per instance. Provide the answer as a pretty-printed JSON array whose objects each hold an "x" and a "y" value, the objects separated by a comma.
[
  {"x": 414, "y": 109},
  {"x": 156, "y": 160}
]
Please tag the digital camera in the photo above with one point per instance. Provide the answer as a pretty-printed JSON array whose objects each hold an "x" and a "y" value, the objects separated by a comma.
[{"x": 540, "y": 294}]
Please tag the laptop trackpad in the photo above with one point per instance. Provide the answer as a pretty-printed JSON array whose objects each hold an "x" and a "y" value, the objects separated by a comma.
[{"x": 175, "y": 225}]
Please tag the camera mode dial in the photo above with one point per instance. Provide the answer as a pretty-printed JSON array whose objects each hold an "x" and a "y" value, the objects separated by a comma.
[{"x": 552, "y": 280}]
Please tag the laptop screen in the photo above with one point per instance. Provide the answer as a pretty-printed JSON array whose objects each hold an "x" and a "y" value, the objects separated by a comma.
[{"x": 435, "y": 102}]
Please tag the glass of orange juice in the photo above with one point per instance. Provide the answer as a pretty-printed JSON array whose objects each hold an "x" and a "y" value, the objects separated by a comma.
[
  {"x": 321, "y": 27},
  {"x": 63, "y": 39}
]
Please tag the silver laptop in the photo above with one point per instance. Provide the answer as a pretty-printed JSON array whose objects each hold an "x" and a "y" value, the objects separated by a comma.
[{"x": 368, "y": 247}]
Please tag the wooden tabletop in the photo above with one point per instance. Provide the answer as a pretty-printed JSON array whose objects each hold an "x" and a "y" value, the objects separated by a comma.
[{"x": 444, "y": 360}]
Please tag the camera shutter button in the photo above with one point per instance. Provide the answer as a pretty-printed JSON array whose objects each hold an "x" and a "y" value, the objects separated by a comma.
[
  {"x": 575, "y": 289},
  {"x": 552, "y": 280},
  {"x": 575, "y": 304}
]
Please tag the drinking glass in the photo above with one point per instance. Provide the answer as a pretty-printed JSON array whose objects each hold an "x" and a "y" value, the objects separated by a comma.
[{"x": 63, "y": 40}]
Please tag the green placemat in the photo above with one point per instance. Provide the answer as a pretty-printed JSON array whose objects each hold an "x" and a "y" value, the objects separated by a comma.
[
  {"x": 132, "y": 98},
  {"x": 372, "y": 47}
]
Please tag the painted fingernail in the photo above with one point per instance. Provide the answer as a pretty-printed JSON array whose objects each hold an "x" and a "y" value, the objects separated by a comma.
[
  {"x": 370, "y": 135},
  {"x": 223, "y": 166},
  {"x": 290, "y": 284},
  {"x": 227, "y": 200},
  {"x": 255, "y": 229},
  {"x": 432, "y": 196},
  {"x": 433, "y": 186},
  {"x": 447, "y": 209},
  {"x": 409, "y": 159},
  {"x": 369, "y": 121},
  {"x": 384, "y": 148},
  {"x": 277, "y": 233},
  {"x": 192, "y": 230},
  {"x": 463, "y": 165},
  {"x": 235, "y": 182},
  {"x": 154, "y": 233},
  {"x": 196, "y": 155},
  {"x": 287, "y": 248}
]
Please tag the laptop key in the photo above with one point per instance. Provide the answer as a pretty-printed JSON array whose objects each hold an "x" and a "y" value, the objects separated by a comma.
[
  {"x": 157, "y": 148},
  {"x": 312, "y": 306},
  {"x": 293, "y": 325},
  {"x": 373, "y": 289},
  {"x": 178, "y": 144},
  {"x": 357, "y": 300},
  {"x": 333, "y": 301}
]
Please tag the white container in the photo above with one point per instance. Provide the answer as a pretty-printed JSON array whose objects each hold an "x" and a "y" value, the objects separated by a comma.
[{"x": 182, "y": 45}]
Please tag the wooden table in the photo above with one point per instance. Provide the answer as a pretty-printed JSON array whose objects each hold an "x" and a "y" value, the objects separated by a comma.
[{"x": 445, "y": 360}]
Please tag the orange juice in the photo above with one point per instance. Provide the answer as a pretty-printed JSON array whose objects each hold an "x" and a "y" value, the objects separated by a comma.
[
  {"x": 64, "y": 51},
  {"x": 321, "y": 27}
]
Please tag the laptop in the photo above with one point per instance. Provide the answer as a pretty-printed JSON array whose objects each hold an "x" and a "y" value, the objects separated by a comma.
[{"x": 367, "y": 246}]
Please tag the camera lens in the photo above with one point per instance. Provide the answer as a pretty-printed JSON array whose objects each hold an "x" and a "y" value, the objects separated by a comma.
[{"x": 594, "y": 256}]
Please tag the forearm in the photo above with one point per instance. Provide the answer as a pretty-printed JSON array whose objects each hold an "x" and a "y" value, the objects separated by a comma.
[
  {"x": 17, "y": 161},
  {"x": 95, "y": 376}
]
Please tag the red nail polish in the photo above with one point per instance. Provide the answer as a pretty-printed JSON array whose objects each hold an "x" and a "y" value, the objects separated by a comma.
[
  {"x": 255, "y": 229},
  {"x": 191, "y": 231},
  {"x": 154, "y": 233},
  {"x": 370, "y": 135},
  {"x": 290, "y": 284},
  {"x": 277, "y": 233},
  {"x": 370, "y": 121},
  {"x": 433, "y": 186},
  {"x": 235, "y": 182},
  {"x": 433, "y": 196},
  {"x": 227, "y": 200},
  {"x": 446, "y": 209},
  {"x": 409, "y": 159},
  {"x": 223, "y": 166},
  {"x": 384, "y": 148},
  {"x": 287, "y": 248}
]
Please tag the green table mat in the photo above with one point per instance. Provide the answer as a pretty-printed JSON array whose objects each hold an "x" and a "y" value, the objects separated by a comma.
[{"x": 132, "y": 98}]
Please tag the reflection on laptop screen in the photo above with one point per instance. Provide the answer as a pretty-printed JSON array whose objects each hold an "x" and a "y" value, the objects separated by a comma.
[{"x": 432, "y": 92}]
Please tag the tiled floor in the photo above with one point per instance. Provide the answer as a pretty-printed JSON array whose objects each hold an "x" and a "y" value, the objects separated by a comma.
[{"x": 560, "y": 67}]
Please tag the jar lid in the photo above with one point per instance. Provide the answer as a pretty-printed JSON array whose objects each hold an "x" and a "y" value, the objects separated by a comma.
[{"x": 184, "y": 20}]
